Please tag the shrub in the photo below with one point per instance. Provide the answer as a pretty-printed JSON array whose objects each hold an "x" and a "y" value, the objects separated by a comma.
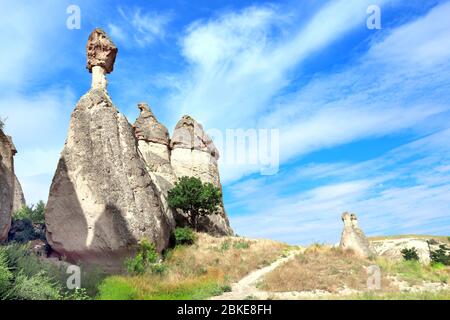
[
  {"x": 34, "y": 213},
  {"x": 37, "y": 287},
  {"x": 158, "y": 268},
  {"x": 6, "y": 275},
  {"x": 77, "y": 294},
  {"x": 194, "y": 198},
  {"x": 184, "y": 236},
  {"x": 441, "y": 255},
  {"x": 225, "y": 245},
  {"x": 410, "y": 254},
  {"x": 24, "y": 277},
  {"x": 145, "y": 256},
  {"x": 241, "y": 244}
]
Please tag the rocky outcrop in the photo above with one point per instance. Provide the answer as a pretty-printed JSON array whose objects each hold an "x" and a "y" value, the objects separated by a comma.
[
  {"x": 11, "y": 195},
  {"x": 353, "y": 237},
  {"x": 194, "y": 154},
  {"x": 392, "y": 248},
  {"x": 154, "y": 144},
  {"x": 102, "y": 199}
]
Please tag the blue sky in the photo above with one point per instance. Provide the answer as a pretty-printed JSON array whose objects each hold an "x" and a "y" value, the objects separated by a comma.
[{"x": 363, "y": 115}]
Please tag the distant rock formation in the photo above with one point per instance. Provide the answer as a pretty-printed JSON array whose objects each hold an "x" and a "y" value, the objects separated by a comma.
[
  {"x": 353, "y": 237},
  {"x": 392, "y": 248},
  {"x": 190, "y": 152},
  {"x": 102, "y": 199},
  {"x": 11, "y": 195},
  {"x": 194, "y": 154}
]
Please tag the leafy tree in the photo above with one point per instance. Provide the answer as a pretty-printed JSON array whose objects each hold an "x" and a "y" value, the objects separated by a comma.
[{"x": 194, "y": 198}]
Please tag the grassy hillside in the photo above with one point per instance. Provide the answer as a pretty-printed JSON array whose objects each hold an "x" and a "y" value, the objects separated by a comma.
[
  {"x": 445, "y": 239},
  {"x": 199, "y": 271}
]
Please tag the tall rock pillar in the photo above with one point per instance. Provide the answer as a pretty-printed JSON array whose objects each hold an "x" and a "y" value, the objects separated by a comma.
[{"x": 102, "y": 199}]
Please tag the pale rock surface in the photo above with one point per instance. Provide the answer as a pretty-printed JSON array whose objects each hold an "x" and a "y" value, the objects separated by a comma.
[
  {"x": 102, "y": 199},
  {"x": 392, "y": 248},
  {"x": 11, "y": 195},
  {"x": 153, "y": 143},
  {"x": 194, "y": 154},
  {"x": 353, "y": 237}
]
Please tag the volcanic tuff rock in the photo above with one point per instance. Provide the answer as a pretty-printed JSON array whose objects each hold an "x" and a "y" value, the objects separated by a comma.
[
  {"x": 353, "y": 237},
  {"x": 194, "y": 154},
  {"x": 153, "y": 143},
  {"x": 392, "y": 248},
  {"x": 11, "y": 195},
  {"x": 102, "y": 199},
  {"x": 101, "y": 51}
]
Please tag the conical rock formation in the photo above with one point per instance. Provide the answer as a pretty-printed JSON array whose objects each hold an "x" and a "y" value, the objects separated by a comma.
[
  {"x": 102, "y": 199},
  {"x": 194, "y": 154},
  {"x": 153, "y": 141}
]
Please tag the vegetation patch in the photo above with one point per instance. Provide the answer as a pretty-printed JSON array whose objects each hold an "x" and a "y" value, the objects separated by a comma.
[
  {"x": 320, "y": 268},
  {"x": 198, "y": 271}
]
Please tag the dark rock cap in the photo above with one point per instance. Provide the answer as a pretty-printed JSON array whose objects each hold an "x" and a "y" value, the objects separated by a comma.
[{"x": 101, "y": 51}]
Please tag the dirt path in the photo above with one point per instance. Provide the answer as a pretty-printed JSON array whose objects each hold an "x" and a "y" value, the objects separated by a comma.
[{"x": 246, "y": 287}]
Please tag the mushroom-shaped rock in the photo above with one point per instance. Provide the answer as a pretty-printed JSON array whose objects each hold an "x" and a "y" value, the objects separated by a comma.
[
  {"x": 101, "y": 55},
  {"x": 102, "y": 200},
  {"x": 353, "y": 237},
  {"x": 194, "y": 154}
]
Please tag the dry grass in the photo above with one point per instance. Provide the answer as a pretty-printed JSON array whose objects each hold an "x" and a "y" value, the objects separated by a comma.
[
  {"x": 230, "y": 256},
  {"x": 206, "y": 268},
  {"x": 320, "y": 268},
  {"x": 445, "y": 239}
]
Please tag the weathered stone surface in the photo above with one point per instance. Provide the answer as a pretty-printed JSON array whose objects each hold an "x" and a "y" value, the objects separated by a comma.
[
  {"x": 153, "y": 143},
  {"x": 6, "y": 186},
  {"x": 102, "y": 199},
  {"x": 353, "y": 237},
  {"x": 392, "y": 248},
  {"x": 18, "y": 197},
  {"x": 11, "y": 195},
  {"x": 101, "y": 51},
  {"x": 194, "y": 154},
  {"x": 147, "y": 127}
]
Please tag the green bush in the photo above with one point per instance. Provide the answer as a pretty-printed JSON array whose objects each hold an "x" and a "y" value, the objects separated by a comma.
[
  {"x": 441, "y": 255},
  {"x": 158, "y": 268},
  {"x": 241, "y": 244},
  {"x": 194, "y": 198},
  {"x": 144, "y": 258},
  {"x": 23, "y": 276},
  {"x": 184, "y": 236},
  {"x": 6, "y": 275},
  {"x": 34, "y": 213},
  {"x": 225, "y": 245},
  {"x": 37, "y": 287},
  {"x": 410, "y": 254}
]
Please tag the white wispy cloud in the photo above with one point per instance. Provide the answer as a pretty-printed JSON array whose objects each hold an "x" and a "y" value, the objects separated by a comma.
[
  {"x": 143, "y": 27},
  {"x": 405, "y": 190},
  {"x": 239, "y": 64}
]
